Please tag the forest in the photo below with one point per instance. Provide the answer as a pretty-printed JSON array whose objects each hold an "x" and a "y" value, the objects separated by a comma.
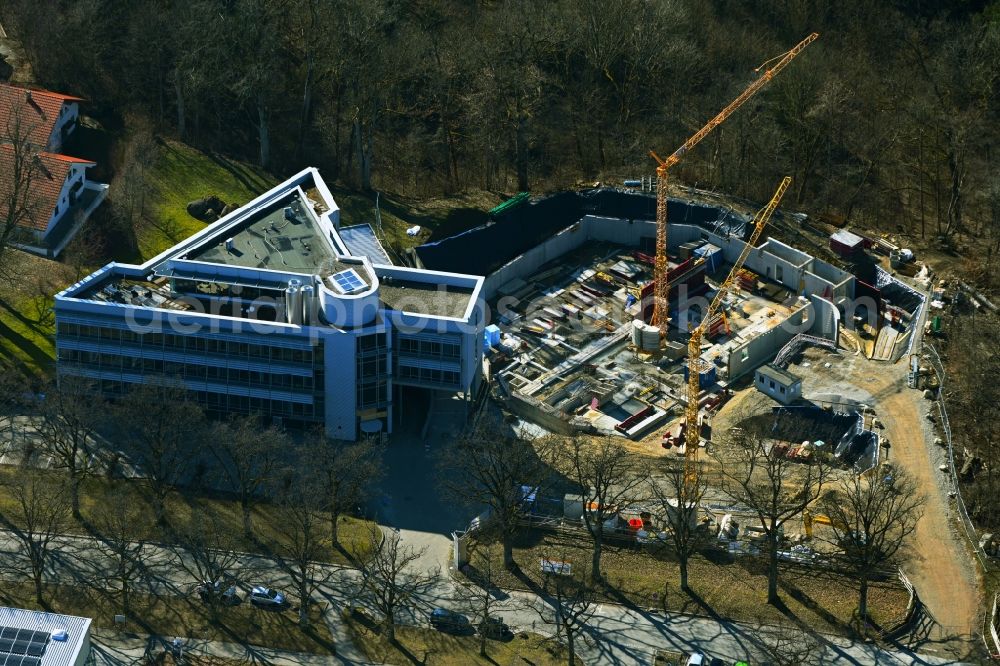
[{"x": 887, "y": 122}]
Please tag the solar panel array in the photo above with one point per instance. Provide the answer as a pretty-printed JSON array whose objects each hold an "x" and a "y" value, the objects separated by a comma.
[
  {"x": 22, "y": 647},
  {"x": 348, "y": 281}
]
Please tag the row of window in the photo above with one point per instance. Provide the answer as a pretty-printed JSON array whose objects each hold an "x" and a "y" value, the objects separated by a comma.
[
  {"x": 429, "y": 375},
  {"x": 227, "y": 404},
  {"x": 369, "y": 367},
  {"x": 194, "y": 343},
  {"x": 426, "y": 348},
  {"x": 372, "y": 343},
  {"x": 116, "y": 363},
  {"x": 372, "y": 394}
]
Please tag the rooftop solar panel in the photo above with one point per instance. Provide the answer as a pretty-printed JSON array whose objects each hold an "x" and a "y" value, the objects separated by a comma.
[
  {"x": 348, "y": 281},
  {"x": 22, "y": 647}
]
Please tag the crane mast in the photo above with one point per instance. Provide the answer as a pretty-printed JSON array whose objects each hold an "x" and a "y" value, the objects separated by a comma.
[
  {"x": 661, "y": 287},
  {"x": 692, "y": 432}
]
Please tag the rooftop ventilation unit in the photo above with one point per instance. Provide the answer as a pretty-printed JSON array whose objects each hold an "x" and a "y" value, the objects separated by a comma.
[{"x": 347, "y": 282}]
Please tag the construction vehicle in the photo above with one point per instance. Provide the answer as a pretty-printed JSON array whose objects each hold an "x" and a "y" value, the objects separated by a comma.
[
  {"x": 808, "y": 518},
  {"x": 693, "y": 431},
  {"x": 660, "y": 293}
]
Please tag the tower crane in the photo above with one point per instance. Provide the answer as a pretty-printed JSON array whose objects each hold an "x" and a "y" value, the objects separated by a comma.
[
  {"x": 692, "y": 432},
  {"x": 661, "y": 287}
]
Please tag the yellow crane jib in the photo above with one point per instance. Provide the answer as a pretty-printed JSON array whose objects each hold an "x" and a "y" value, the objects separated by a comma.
[
  {"x": 661, "y": 289},
  {"x": 692, "y": 432}
]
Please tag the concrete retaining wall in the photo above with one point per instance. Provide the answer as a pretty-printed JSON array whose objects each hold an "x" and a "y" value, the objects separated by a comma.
[
  {"x": 538, "y": 412},
  {"x": 761, "y": 349}
]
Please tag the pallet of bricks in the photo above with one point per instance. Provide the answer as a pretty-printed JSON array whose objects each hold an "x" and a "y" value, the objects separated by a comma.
[{"x": 746, "y": 280}]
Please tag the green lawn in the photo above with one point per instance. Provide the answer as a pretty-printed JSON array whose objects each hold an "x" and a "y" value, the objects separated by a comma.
[
  {"x": 182, "y": 174},
  {"x": 730, "y": 588},
  {"x": 27, "y": 325}
]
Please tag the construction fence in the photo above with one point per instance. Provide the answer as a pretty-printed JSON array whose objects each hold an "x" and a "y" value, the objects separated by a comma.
[{"x": 970, "y": 531}]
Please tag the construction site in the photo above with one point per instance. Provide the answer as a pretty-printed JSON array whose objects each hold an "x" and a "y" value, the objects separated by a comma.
[{"x": 665, "y": 321}]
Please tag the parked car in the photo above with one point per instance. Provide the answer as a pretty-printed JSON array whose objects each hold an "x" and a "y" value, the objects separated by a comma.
[
  {"x": 266, "y": 597},
  {"x": 225, "y": 592},
  {"x": 443, "y": 619}
]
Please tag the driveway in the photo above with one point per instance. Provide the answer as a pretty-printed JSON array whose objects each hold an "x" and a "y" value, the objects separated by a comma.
[{"x": 409, "y": 498}]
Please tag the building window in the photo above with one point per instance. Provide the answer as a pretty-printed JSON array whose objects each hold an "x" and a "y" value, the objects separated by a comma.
[
  {"x": 782, "y": 389},
  {"x": 771, "y": 382}
]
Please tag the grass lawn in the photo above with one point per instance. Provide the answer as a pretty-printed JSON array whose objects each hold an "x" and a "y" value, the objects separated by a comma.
[
  {"x": 181, "y": 616},
  {"x": 182, "y": 174},
  {"x": 730, "y": 589},
  {"x": 27, "y": 324},
  {"x": 181, "y": 509},
  {"x": 418, "y": 645},
  {"x": 438, "y": 217}
]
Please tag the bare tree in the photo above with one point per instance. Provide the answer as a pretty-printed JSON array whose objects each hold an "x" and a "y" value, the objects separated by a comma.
[
  {"x": 785, "y": 647},
  {"x": 37, "y": 517},
  {"x": 247, "y": 453},
  {"x": 298, "y": 523},
  {"x": 120, "y": 540},
  {"x": 679, "y": 499},
  {"x": 774, "y": 487},
  {"x": 70, "y": 418},
  {"x": 482, "y": 592},
  {"x": 872, "y": 518},
  {"x": 573, "y": 601},
  {"x": 347, "y": 473},
  {"x": 160, "y": 431},
  {"x": 209, "y": 553},
  {"x": 611, "y": 479},
  {"x": 13, "y": 386},
  {"x": 487, "y": 466},
  {"x": 20, "y": 168},
  {"x": 390, "y": 581}
]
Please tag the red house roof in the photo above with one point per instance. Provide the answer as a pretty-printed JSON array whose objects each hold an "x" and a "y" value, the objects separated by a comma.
[
  {"x": 36, "y": 110},
  {"x": 46, "y": 183}
]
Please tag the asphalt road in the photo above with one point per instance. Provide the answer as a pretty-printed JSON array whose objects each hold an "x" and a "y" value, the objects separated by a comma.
[{"x": 614, "y": 635}]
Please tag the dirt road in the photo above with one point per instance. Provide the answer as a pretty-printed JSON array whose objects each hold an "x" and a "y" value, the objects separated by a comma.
[
  {"x": 943, "y": 574},
  {"x": 942, "y": 571}
]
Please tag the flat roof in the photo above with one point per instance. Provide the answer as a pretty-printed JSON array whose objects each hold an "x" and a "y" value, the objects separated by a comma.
[
  {"x": 57, "y": 652},
  {"x": 361, "y": 240},
  {"x": 436, "y": 300},
  {"x": 778, "y": 374},
  {"x": 848, "y": 238},
  {"x": 281, "y": 237}
]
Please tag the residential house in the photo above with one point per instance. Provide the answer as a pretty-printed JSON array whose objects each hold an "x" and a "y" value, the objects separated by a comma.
[{"x": 50, "y": 191}]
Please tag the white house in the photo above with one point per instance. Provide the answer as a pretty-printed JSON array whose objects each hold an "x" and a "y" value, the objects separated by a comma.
[{"x": 61, "y": 199}]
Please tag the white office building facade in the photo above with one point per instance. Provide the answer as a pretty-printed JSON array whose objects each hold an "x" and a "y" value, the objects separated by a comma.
[{"x": 277, "y": 310}]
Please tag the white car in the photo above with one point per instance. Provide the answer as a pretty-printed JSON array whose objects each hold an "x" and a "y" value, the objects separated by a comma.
[{"x": 266, "y": 597}]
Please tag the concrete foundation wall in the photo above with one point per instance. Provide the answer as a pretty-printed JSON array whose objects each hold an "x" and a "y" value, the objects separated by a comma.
[
  {"x": 565, "y": 241},
  {"x": 826, "y": 323},
  {"x": 761, "y": 349},
  {"x": 538, "y": 412}
]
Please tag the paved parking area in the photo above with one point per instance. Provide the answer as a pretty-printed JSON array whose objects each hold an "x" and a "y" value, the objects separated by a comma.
[{"x": 409, "y": 498}]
